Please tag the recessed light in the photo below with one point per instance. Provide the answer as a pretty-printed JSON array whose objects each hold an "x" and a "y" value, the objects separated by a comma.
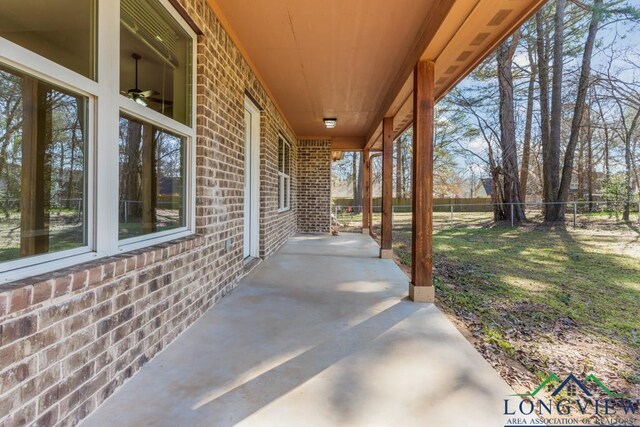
[{"x": 330, "y": 123}]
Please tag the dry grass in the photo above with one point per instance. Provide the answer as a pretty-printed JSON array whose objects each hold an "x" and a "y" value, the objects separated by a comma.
[{"x": 536, "y": 299}]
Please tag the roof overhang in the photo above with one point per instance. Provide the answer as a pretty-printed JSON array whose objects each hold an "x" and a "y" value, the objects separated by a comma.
[
  {"x": 354, "y": 60},
  {"x": 469, "y": 34}
]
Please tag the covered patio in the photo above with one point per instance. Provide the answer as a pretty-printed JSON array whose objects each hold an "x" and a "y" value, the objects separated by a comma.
[
  {"x": 203, "y": 126},
  {"x": 319, "y": 334}
]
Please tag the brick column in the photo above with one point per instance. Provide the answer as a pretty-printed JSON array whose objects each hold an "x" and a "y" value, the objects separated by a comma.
[{"x": 314, "y": 186}]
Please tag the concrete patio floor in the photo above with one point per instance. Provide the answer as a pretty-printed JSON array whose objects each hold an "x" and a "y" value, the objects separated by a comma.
[{"x": 320, "y": 334}]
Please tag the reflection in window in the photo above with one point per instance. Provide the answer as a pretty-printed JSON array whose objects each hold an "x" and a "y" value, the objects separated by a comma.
[
  {"x": 42, "y": 167},
  {"x": 155, "y": 59},
  {"x": 60, "y": 30},
  {"x": 152, "y": 186}
]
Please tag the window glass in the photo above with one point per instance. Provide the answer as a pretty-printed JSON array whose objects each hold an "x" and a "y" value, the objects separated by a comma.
[
  {"x": 284, "y": 180},
  {"x": 287, "y": 159},
  {"x": 155, "y": 59},
  {"x": 60, "y": 30},
  {"x": 43, "y": 140},
  {"x": 152, "y": 185}
]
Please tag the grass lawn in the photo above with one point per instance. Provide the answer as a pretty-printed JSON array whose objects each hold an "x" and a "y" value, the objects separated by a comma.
[{"x": 536, "y": 299}]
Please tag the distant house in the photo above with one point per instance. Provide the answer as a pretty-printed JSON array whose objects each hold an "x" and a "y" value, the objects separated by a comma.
[{"x": 483, "y": 188}]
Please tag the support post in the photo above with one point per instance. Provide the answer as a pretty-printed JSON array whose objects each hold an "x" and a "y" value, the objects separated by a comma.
[
  {"x": 386, "y": 250},
  {"x": 366, "y": 193},
  {"x": 421, "y": 286}
]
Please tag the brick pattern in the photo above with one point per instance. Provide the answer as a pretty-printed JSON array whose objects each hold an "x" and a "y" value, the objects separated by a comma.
[
  {"x": 314, "y": 189},
  {"x": 275, "y": 227},
  {"x": 71, "y": 338}
]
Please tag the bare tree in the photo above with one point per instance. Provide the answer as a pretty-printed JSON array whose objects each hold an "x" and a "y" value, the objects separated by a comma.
[{"x": 511, "y": 181}]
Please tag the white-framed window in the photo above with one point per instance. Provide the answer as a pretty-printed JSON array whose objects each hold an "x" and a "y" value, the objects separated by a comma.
[
  {"x": 284, "y": 174},
  {"x": 97, "y": 131}
]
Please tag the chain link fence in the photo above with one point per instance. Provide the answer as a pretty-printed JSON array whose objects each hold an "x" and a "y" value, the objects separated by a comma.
[{"x": 583, "y": 214}]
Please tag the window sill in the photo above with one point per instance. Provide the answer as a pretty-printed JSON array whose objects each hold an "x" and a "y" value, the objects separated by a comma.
[
  {"x": 141, "y": 242},
  {"x": 283, "y": 210},
  {"x": 86, "y": 273}
]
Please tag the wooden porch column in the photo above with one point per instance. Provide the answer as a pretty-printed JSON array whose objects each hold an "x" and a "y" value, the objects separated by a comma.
[
  {"x": 421, "y": 286},
  {"x": 386, "y": 250},
  {"x": 366, "y": 193}
]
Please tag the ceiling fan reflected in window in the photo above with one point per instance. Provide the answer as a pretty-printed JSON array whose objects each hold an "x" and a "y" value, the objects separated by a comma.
[{"x": 143, "y": 97}]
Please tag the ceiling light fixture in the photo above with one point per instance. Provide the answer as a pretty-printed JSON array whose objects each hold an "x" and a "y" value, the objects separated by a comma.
[{"x": 330, "y": 123}]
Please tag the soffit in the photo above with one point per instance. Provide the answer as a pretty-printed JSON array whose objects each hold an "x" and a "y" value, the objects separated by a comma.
[
  {"x": 354, "y": 59},
  {"x": 472, "y": 30},
  {"x": 333, "y": 58}
]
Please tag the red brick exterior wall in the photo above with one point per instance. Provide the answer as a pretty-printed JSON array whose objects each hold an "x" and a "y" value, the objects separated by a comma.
[
  {"x": 69, "y": 339},
  {"x": 314, "y": 191}
]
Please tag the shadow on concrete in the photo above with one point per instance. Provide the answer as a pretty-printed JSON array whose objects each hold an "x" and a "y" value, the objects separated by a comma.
[{"x": 269, "y": 386}]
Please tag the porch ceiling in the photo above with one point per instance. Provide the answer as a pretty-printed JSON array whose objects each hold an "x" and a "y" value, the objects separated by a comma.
[{"x": 353, "y": 59}]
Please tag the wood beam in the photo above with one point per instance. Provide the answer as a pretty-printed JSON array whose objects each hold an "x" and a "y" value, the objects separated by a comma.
[
  {"x": 421, "y": 286},
  {"x": 372, "y": 156},
  {"x": 340, "y": 143},
  {"x": 428, "y": 30},
  {"x": 386, "y": 250},
  {"x": 366, "y": 193}
]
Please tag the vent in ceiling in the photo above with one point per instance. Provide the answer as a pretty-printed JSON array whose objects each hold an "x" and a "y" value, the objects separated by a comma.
[
  {"x": 464, "y": 55},
  {"x": 481, "y": 37},
  {"x": 451, "y": 69},
  {"x": 499, "y": 17}
]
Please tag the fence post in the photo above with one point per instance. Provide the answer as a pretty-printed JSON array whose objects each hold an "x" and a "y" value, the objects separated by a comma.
[
  {"x": 452, "y": 213},
  {"x": 512, "y": 222},
  {"x": 575, "y": 212},
  {"x": 126, "y": 212}
]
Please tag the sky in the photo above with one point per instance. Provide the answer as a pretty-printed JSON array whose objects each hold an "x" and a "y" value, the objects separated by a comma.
[{"x": 623, "y": 35}]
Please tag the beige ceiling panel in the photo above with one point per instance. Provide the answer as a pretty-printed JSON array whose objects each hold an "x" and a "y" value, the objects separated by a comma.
[
  {"x": 346, "y": 58},
  {"x": 271, "y": 14}
]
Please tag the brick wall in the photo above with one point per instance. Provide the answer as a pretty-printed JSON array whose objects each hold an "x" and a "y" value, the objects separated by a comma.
[
  {"x": 314, "y": 187},
  {"x": 275, "y": 227},
  {"x": 71, "y": 338}
]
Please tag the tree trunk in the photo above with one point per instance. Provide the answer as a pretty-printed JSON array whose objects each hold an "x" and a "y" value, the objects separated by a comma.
[
  {"x": 496, "y": 193},
  {"x": 543, "y": 84},
  {"x": 358, "y": 165},
  {"x": 511, "y": 182},
  {"x": 627, "y": 179},
  {"x": 583, "y": 86},
  {"x": 580, "y": 169},
  {"x": 399, "y": 168},
  {"x": 526, "y": 147},
  {"x": 590, "y": 171},
  {"x": 555, "y": 212}
]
